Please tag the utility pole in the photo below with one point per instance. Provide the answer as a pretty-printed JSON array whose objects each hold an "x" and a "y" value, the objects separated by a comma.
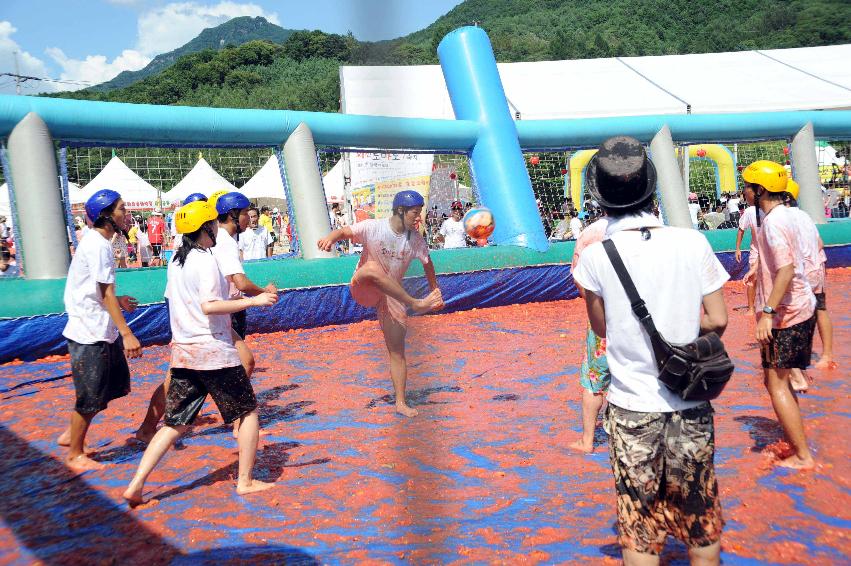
[{"x": 17, "y": 74}]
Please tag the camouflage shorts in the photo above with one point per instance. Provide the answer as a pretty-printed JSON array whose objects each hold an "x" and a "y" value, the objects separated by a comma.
[{"x": 664, "y": 471}]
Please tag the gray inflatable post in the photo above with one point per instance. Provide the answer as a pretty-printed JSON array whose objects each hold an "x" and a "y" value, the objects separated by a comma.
[
  {"x": 308, "y": 197},
  {"x": 669, "y": 180},
  {"x": 41, "y": 218},
  {"x": 806, "y": 173}
]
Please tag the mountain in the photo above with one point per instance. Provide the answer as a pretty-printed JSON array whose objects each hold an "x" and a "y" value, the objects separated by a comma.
[
  {"x": 533, "y": 30},
  {"x": 233, "y": 32},
  {"x": 302, "y": 72}
]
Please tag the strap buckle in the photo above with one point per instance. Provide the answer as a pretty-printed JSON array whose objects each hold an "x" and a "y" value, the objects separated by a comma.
[{"x": 640, "y": 309}]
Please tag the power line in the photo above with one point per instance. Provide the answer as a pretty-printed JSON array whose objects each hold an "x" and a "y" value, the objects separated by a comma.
[{"x": 23, "y": 78}]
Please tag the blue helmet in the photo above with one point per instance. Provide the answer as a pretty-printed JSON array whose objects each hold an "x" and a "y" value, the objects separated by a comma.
[
  {"x": 193, "y": 197},
  {"x": 231, "y": 201},
  {"x": 103, "y": 198},
  {"x": 407, "y": 199}
]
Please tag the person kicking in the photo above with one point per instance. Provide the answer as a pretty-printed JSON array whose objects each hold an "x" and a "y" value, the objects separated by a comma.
[{"x": 389, "y": 245}]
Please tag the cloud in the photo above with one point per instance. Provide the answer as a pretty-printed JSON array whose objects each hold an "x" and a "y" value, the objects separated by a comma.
[
  {"x": 170, "y": 26},
  {"x": 95, "y": 69},
  {"x": 28, "y": 64}
]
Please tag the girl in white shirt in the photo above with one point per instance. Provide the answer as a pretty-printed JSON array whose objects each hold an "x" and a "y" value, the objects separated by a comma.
[{"x": 203, "y": 357}]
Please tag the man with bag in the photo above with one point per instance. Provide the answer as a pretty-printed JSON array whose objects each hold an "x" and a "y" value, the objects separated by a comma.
[{"x": 661, "y": 446}]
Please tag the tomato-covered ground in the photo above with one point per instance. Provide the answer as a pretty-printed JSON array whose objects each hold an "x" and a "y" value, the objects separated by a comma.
[{"x": 484, "y": 473}]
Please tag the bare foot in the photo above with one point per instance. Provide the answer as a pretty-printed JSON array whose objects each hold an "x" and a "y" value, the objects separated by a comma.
[
  {"x": 81, "y": 463},
  {"x": 144, "y": 436},
  {"x": 253, "y": 486},
  {"x": 432, "y": 301},
  {"x": 826, "y": 362},
  {"x": 403, "y": 409},
  {"x": 797, "y": 463},
  {"x": 64, "y": 438},
  {"x": 798, "y": 380},
  {"x": 133, "y": 497},
  {"x": 581, "y": 446}
]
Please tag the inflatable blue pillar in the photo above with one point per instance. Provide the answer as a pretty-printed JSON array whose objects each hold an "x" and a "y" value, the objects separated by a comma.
[{"x": 476, "y": 92}]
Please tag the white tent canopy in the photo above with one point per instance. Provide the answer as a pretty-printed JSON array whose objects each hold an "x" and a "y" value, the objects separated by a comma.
[
  {"x": 201, "y": 179},
  {"x": 333, "y": 183},
  {"x": 769, "y": 80},
  {"x": 267, "y": 182},
  {"x": 136, "y": 192}
]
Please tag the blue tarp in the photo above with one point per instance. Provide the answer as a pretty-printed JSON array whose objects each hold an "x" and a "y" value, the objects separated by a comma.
[{"x": 29, "y": 338}]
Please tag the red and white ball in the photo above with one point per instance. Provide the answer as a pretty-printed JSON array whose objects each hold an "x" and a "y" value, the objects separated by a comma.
[{"x": 479, "y": 223}]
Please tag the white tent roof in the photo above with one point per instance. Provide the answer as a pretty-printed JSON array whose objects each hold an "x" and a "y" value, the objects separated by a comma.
[
  {"x": 266, "y": 183},
  {"x": 202, "y": 179},
  {"x": 778, "y": 79},
  {"x": 333, "y": 183},
  {"x": 136, "y": 192}
]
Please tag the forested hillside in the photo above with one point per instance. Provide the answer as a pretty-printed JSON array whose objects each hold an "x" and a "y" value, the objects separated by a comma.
[{"x": 302, "y": 72}]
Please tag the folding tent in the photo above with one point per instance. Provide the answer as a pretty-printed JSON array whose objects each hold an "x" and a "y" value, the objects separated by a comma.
[
  {"x": 266, "y": 183},
  {"x": 201, "y": 179},
  {"x": 137, "y": 193}
]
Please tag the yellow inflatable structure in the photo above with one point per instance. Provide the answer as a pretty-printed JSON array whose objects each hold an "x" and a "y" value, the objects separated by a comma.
[{"x": 725, "y": 167}]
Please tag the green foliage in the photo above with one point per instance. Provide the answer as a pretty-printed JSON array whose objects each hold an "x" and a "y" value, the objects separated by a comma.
[
  {"x": 299, "y": 70},
  {"x": 303, "y": 45}
]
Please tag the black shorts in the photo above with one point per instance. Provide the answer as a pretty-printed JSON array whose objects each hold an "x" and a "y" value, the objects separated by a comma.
[
  {"x": 100, "y": 373},
  {"x": 229, "y": 387},
  {"x": 239, "y": 323},
  {"x": 664, "y": 471},
  {"x": 790, "y": 347},
  {"x": 157, "y": 249},
  {"x": 821, "y": 302}
]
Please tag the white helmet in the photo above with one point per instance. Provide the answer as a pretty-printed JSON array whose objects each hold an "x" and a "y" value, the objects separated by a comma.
[{"x": 275, "y": 210}]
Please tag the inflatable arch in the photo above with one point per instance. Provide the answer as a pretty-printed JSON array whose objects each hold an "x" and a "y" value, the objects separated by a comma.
[
  {"x": 723, "y": 161},
  {"x": 719, "y": 155}
]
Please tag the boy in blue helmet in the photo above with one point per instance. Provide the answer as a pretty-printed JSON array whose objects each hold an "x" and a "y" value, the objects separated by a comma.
[
  {"x": 389, "y": 245},
  {"x": 98, "y": 336},
  {"x": 232, "y": 209}
]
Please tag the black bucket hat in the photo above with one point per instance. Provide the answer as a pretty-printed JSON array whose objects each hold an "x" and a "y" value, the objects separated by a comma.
[{"x": 620, "y": 175}]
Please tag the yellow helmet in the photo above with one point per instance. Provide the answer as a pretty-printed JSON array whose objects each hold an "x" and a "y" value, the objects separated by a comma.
[
  {"x": 192, "y": 216},
  {"x": 215, "y": 196},
  {"x": 792, "y": 188},
  {"x": 770, "y": 175}
]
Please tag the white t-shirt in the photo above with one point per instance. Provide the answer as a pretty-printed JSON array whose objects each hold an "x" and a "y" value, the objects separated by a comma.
[
  {"x": 672, "y": 272},
  {"x": 145, "y": 249},
  {"x": 693, "y": 209},
  {"x": 226, "y": 252},
  {"x": 808, "y": 241},
  {"x": 88, "y": 320},
  {"x": 453, "y": 233},
  {"x": 392, "y": 251},
  {"x": 254, "y": 242},
  {"x": 575, "y": 228},
  {"x": 733, "y": 205},
  {"x": 198, "y": 341}
]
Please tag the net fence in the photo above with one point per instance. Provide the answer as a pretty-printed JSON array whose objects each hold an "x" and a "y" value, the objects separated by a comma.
[{"x": 355, "y": 179}]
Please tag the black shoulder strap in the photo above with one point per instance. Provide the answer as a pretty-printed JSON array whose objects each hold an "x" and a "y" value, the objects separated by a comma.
[{"x": 660, "y": 347}]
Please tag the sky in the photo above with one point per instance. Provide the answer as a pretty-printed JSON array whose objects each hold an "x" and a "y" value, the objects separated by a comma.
[{"x": 85, "y": 42}]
